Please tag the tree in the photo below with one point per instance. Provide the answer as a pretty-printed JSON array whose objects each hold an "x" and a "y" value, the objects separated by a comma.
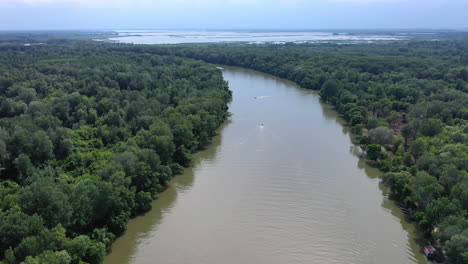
[
  {"x": 183, "y": 156},
  {"x": 64, "y": 148},
  {"x": 29, "y": 246},
  {"x": 429, "y": 163},
  {"x": 49, "y": 257},
  {"x": 418, "y": 147},
  {"x": 14, "y": 226},
  {"x": 24, "y": 166},
  {"x": 143, "y": 202},
  {"x": 373, "y": 151},
  {"x": 104, "y": 236},
  {"x": 381, "y": 135},
  {"x": 419, "y": 110},
  {"x": 450, "y": 226},
  {"x": 182, "y": 130},
  {"x": 43, "y": 148},
  {"x": 356, "y": 118},
  {"x": 398, "y": 143},
  {"x": 383, "y": 107},
  {"x": 357, "y": 129},
  {"x": 450, "y": 175},
  {"x": 10, "y": 257},
  {"x": 330, "y": 89},
  {"x": 457, "y": 248},
  {"x": 399, "y": 183},
  {"x": 121, "y": 118},
  {"x": 46, "y": 198},
  {"x": 84, "y": 199},
  {"x": 410, "y": 130},
  {"x": 426, "y": 188},
  {"x": 374, "y": 122},
  {"x": 441, "y": 208},
  {"x": 460, "y": 192},
  {"x": 4, "y": 155},
  {"x": 431, "y": 127},
  {"x": 464, "y": 74},
  {"x": 81, "y": 156},
  {"x": 83, "y": 248}
]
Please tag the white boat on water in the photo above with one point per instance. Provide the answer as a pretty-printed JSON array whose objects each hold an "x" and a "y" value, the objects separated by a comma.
[{"x": 220, "y": 68}]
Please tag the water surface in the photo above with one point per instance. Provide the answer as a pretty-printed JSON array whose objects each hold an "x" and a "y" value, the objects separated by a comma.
[
  {"x": 281, "y": 184},
  {"x": 200, "y": 36}
]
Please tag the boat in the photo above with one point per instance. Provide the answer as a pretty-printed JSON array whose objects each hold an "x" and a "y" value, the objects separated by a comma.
[{"x": 429, "y": 252}]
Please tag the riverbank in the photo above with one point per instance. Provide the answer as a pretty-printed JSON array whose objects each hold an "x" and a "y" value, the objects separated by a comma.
[
  {"x": 382, "y": 91},
  {"x": 79, "y": 158},
  {"x": 273, "y": 192}
]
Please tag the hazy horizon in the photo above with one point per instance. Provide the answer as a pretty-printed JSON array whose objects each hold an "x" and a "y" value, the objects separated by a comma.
[
  {"x": 233, "y": 15},
  {"x": 338, "y": 30}
]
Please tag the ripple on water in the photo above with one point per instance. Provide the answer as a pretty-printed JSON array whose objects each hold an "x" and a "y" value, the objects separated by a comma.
[{"x": 291, "y": 192}]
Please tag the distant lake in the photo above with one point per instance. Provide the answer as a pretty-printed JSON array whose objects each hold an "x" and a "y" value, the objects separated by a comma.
[{"x": 198, "y": 36}]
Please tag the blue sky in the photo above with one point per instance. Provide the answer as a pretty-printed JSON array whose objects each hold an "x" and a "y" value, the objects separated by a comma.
[{"x": 233, "y": 14}]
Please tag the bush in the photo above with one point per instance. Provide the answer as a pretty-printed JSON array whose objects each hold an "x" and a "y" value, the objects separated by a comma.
[{"x": 381, "y": 135}]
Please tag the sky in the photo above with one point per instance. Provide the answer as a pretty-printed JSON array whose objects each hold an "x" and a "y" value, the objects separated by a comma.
[{"x": 233, "y": 14}]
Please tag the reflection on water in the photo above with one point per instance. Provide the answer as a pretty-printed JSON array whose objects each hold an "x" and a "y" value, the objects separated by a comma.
[{"x": 283, "y": 183}]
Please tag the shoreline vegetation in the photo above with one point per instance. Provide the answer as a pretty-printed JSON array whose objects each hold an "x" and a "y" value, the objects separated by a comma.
[
  {"x": 89, "y": 135},
  {"x": 78, "y": 128},
  {"x": 406, "y": 102}
]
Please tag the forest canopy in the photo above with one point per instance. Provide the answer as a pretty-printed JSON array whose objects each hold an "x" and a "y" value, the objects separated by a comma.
[
  {"x": 407, "y": 103},
  {"x": 90, "y": 132},
  {"x": 88, "y": 136}
]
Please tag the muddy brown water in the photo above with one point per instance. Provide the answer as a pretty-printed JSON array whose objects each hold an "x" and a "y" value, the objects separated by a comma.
[{"x": 281, "y": 183}]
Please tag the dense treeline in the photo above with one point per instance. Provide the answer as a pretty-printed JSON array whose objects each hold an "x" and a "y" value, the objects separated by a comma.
[
  {"x": 88, "y": 136},
  {"x": 407, "y": 103},
  {"x": 90, "y": 132}
]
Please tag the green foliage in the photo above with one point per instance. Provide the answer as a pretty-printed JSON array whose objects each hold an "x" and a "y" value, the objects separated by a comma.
[
  {"x": 400, "y": 183},
  {"x": 10, "y": 257},
  {"x": 374, "y": 122},
  {"x": 357, "y": 129},
  {"x": 49, "y": 257},
  {"x": 381, "y": 135},
  {"x": 87, "y": 142},
  {"x": 426, "y": 188},
  {"x": 24, "y": 166},
  {"x": 143, "y": 202},
  {"x": 103, "y": 127},
  {"x": 457, "y": 248},
  {"x": 47, "y": 199},
  {"x": 389, "y": 90},
  {"x": 418, "y": 147},
  {"x": 330, "y": 89},
  {"x": 14, "y": 226},
  {"x": 103, "y": 236},
  {"x": 47, "y": 239},
  {"x": 398, "y": 144},
  {"x": 85, "y": 249},
  {"x": 374, "y": 151}
]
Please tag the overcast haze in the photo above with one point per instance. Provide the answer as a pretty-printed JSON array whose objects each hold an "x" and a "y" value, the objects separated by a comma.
[{"x": 233, "y": 14}]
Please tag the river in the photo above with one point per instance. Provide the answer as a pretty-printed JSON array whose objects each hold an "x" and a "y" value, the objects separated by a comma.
[{"x": 281, "y": 183}]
